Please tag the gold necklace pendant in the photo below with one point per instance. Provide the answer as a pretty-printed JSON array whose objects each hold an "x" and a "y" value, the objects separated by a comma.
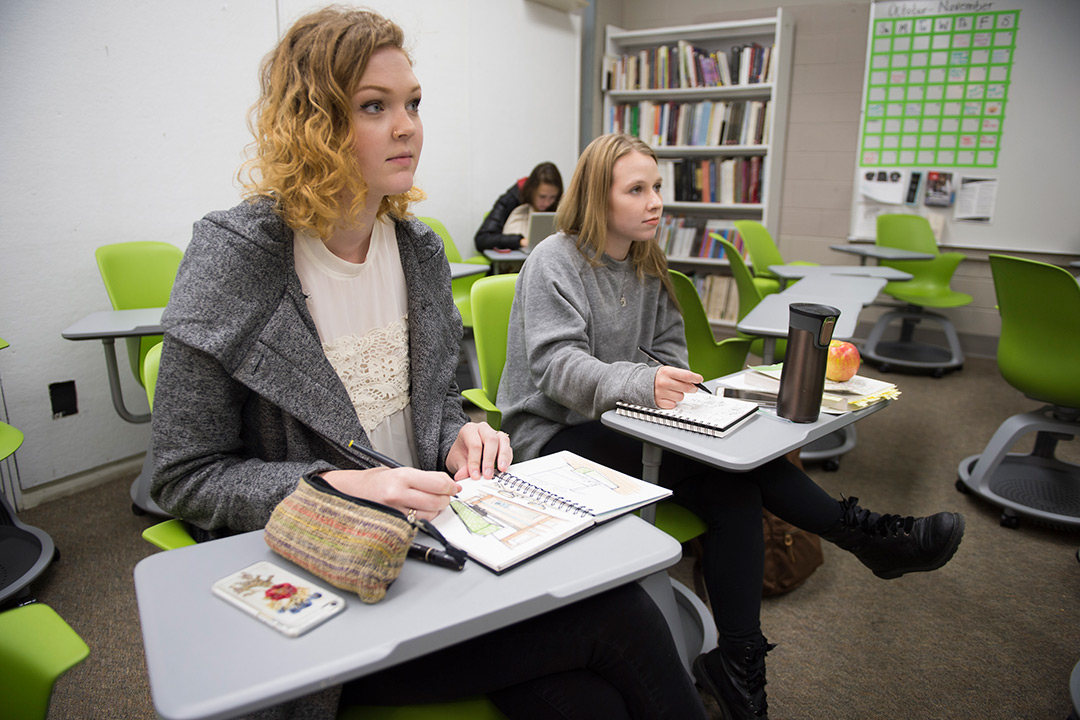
[{"x": 622, "y": 301}]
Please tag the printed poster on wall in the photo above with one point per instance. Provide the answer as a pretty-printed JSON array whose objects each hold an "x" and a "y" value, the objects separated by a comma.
[{"x": 937, "y": 85}]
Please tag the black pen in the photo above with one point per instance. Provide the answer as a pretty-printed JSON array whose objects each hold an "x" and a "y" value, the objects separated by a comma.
[
  {"x": 373, "y": 456},
  {"x": 434, "y": 556},
  {"x": 656, "y": 359}
]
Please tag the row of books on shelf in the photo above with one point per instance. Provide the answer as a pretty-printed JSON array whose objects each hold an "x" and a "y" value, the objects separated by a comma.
[
  {"x": 706, "y": 123},
  {"x": 719, "y": 296},
  {"x": 693, "y": 237},
  {"x": 728, "y": 181},
  {"x": 685, "y": 66}
]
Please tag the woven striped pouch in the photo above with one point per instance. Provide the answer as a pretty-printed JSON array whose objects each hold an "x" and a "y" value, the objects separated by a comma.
[{"x": 354, "y": 544}]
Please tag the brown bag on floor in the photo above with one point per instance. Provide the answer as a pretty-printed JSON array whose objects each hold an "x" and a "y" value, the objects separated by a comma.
[{"x": 791, "y": 555}]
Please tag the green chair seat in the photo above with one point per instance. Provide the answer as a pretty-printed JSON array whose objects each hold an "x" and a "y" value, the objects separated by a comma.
[{"x": 36, "y": 648}]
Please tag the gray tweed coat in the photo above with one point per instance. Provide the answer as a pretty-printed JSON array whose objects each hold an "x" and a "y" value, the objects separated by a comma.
[{"x": 246, "y": 401}]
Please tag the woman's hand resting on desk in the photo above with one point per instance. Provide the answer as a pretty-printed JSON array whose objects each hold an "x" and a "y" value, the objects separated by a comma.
[
  {"x": 403, "y": 488},
  {"x": 479, "y": 451},
  {"x": 671, "y": 383}
]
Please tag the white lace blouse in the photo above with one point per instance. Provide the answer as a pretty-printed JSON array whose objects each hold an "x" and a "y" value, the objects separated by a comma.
[{"x": 361, "y": 313}]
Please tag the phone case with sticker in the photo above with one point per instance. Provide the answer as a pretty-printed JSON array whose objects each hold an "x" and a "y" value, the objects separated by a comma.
[{"x": 279, "y": 598}]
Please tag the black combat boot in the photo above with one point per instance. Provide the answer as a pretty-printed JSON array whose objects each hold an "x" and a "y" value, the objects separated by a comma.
[
  {"x": 734, "y": 674},
  {"x": 891, "y": 545}
]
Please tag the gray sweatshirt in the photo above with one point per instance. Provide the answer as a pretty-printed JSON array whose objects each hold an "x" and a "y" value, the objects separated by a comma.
[{"x": 572, "y": 349}]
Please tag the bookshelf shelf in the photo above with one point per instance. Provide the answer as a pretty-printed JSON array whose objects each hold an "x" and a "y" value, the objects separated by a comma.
[{"x": 699, "y": 153}]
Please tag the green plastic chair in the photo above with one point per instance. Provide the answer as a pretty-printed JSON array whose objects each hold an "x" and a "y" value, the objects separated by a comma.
[
  {"x": 763, "y": 253},
  {"x": 138, "y": 275},
  {"x": 36, "y": 648},
  {"x": 708, "y": 358},
  {"x": 492, "y": 298},
  {"x": 1037, "y": 354},
  {"x": 928, "y": 288},
  {"x": 749, "y": 297}
]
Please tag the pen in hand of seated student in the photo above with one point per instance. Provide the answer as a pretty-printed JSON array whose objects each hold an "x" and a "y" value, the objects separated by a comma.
[{"x": 671, "y": 381}]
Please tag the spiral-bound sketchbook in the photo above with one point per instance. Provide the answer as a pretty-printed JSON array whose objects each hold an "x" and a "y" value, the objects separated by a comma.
[
  {"x": 538, "y": 504},
  {"x": 698, "y": 412}
]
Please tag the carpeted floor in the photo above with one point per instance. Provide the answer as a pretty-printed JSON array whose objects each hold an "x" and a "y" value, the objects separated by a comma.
[{"x": 994, "y": 634}]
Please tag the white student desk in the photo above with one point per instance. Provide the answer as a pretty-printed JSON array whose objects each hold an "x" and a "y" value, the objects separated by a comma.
[
  {"x": 206, "y": 659},
  {"x": 787, "y": 273},
  {"x": 880, "y": 252},
  {"x": 503, "y": 260}
]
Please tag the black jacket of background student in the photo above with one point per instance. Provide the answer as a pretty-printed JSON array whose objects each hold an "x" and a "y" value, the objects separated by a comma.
[{"x": 490, "y": 235}]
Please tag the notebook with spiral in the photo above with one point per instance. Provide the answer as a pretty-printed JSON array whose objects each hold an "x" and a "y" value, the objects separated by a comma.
[
  {"x": 536, "y": 505},
  {"x": 714, "y": 415}
]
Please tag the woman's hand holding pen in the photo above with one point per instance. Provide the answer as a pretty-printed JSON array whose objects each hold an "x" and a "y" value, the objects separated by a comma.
[
  {"x": 671, "y": 383},
  {"x": 403, "y": 488},
  {"x": 479, "y": 451}
]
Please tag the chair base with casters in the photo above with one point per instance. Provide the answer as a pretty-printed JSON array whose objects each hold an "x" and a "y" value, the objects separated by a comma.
[
  {"x": 36, "y": 648},
  {"x": 1036, "y": 485},
  {"x": 905, "y": 352},
  {"x": 828, "y": 449},
  {"x": 25, "y": 551}
]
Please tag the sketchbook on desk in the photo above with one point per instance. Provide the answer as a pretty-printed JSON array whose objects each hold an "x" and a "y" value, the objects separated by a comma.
[{"x": 536, "y": 505}]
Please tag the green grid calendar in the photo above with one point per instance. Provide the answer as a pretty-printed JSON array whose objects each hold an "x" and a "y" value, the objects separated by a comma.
[{"x": 936, "y": 90}]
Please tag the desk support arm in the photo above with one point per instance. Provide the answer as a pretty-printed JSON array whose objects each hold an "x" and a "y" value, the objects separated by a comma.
[{"x": 114, "y": 385}]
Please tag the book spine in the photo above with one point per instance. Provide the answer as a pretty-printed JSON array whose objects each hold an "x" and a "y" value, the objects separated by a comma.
[{"x": 515, "y": 484}]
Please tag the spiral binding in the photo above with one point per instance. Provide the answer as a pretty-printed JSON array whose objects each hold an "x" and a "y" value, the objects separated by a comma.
[
  {"x": 534, "y": 492},
  {"x": 667, "y": 418}
]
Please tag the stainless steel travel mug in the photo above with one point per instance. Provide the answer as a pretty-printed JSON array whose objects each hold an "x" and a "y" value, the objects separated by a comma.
[{"x": 802, "y": 380}]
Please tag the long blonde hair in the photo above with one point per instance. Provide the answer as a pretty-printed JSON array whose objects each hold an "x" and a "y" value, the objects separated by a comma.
[
  {"x": 303, "y": 156},
  {"x": 583, "y": 210}
]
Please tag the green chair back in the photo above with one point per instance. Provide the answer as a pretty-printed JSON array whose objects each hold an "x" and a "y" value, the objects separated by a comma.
[
  {"x": 492, "y": 298},
  {"x": 11, "y": 438},
  {"x": 708, "y": 358},
  {"x": 138, "y": 275},
  {"x": 929, "y": 284},
  {"x": 36, "y": 648},
  {"x": 763, "y": 253},
  {"x": 150, "y": 372},
  {"x": 1040, "y": 329},
  {"x": 462, "y": 287},
  {"x": 749, "y": 294}
]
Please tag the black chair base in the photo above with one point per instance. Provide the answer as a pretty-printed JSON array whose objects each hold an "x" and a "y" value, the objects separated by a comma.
[
  {"x": 905, "y": 352},
  {"x": 25, "y": 552}
]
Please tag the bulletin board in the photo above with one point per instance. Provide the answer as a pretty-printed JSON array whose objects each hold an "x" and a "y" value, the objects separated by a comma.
[{"x": 971, "y": 118}]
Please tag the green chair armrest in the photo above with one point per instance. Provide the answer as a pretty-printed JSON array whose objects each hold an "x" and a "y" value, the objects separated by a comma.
[
  {"x": 480, "y": 399},
  {"x": 168, "y": 535}
]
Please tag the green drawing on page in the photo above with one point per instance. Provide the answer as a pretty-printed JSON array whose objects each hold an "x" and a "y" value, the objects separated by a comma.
[{"x": 937, "y": 88}]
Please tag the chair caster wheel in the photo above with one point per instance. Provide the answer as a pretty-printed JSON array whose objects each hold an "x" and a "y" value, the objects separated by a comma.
[
  {"x": 939, "y": 373},
  {"x": 1010, "y": 520},
  {"x": 962, "y": 487},
  {"x": 830, "y": 465},
  {"x": 885, "y": 367},
  {"x": 56, "y": 554},
  {"x": 136, "y": 510}
]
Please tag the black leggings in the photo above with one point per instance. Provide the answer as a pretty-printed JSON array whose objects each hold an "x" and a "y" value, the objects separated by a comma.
[
  {"x": 610, "y": 655},
  {"x": 730, "y": 503}
]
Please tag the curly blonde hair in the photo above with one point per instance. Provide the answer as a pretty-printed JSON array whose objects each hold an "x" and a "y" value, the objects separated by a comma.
[
  {"x": 303, "y": 155},
  {"x": 583, "y": 210}
]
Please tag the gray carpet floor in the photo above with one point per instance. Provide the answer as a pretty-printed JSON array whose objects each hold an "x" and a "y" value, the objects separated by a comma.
[{"x": 993, "y": 634}]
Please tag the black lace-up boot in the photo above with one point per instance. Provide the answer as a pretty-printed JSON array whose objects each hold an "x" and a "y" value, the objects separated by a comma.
[
  {"x": 891, "y": 545},
  {"x": 734, "y": 674}
]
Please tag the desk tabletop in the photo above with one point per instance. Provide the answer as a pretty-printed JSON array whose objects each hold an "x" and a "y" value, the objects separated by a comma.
[
  {"x": 848, "y": 294},
  {"x": 106, "y": 324},
  {"x": 460, "y": 270},
  {"x": 763, "y": 438},
  {"x": 206, "y": 659},
  {"x": 880, "y": 252},
  {"x": 794, "y": 272}
]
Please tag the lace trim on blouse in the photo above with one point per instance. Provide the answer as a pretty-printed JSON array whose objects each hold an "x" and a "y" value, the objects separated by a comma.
[{"x": 375, "y": 371}]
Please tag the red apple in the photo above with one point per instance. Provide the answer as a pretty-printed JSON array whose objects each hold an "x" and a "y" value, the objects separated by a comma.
[{"x": 843, "y": 361}]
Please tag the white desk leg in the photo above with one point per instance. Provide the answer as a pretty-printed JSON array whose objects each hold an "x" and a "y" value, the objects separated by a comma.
[
  {"x": 658, "y": 585},
  {"x": 650, "y": 472},
  {"x": 114, "y": 384},
  {"x": 768, "y": 350}
]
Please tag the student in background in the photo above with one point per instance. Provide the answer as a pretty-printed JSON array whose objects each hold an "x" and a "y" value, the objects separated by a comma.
[
  {"x": 505, "y": 225},
  {"x": 585, "y": 300},
  {"x": 319, "y": 312}
]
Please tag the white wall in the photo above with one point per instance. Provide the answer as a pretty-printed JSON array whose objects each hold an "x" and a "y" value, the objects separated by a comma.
[{"x": 125, "y": 120}]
